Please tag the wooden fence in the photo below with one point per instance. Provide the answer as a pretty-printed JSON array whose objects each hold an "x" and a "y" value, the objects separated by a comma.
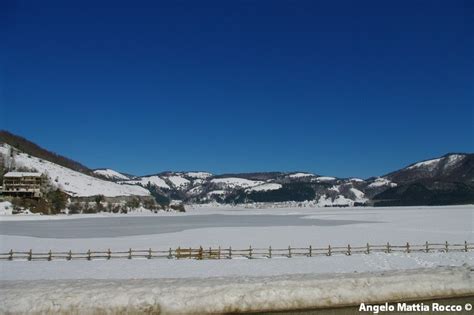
[{"x": 231, "y": 253}]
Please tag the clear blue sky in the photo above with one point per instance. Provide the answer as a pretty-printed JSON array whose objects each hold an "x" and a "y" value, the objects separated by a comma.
[{"x": 344, "y": 88}]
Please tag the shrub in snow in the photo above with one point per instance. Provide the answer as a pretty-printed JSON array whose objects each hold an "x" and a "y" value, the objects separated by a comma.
[
  {"x": 178, "y": 207},
  {"x": 75, "y": 208},
  {"x": 132, "y": 203}
]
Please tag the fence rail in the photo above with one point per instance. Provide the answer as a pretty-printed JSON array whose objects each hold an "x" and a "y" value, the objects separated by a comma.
[{"x": 231, "y": 253}]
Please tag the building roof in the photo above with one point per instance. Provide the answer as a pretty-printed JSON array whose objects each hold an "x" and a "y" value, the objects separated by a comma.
[{"x": 22, "y": 174}]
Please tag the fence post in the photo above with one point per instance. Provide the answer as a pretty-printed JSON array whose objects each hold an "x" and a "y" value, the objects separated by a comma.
[
  {"x": 447, "y": 246},
  {"x": 129, "y": 253},
  {"x": 310, "y": 251},
  {"x": 329, "y": 250},
  {"x": 408, "y": 247},
  {"x": 69, "y": 257},
  {"x": 11, "y": 255},
  {"x": 109, "y": 254},
  {"x": 200, "y": 253},
  {"x": 149, "y": 253},
  {"x": 250, "y": 251},
  {"x": 348, "y": 249},
  {"x": 190, "y": 252},
  {"x": 210, "y": 252},
  {"x": 368, "y": 248},
  {"x": 230, "y": 252},
  {"x": 465, "y": 246},
  {"x": 427, "y": 247},
  {"x": 178, "y": 252},
  {"x": 219, "y": 253},
  {"x": 289, "y": 251},
  {"x": 170, "y": 254},
  {"x": 88, "y": 254},
  {"x": 30, "y": 255},
  {"x": 388, "y": 248},
  {"x": 50, "y": 255},
  {"x": 269, "y": 252}
]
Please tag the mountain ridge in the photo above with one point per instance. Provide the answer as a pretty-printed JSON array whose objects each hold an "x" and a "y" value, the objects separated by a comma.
[{"x": 450, "y": 176}]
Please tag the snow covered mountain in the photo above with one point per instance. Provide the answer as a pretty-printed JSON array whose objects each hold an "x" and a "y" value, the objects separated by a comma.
[
  {"x": 445, "y": 180},
  {"x": 455, "y": 166}
]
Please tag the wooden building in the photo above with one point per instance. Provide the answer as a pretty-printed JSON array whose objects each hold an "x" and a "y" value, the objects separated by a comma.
[{"x": 22, "y": 184}]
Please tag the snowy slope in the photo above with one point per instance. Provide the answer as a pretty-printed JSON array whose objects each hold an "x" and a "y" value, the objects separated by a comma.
[
  {"x": 72, "y": 182},
  {"x": 111, "y": 174},
  {"x": 178, "y": 181},
  {"x": 265, "y": 187},
  {"x": 380, "y": 182},
  {"x": 154, "y": 180},
  {"x": 233, "y": 182}
]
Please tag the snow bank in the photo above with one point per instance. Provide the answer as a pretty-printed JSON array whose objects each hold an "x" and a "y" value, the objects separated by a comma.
[
  {"x": 224, "y": 295},
  {"x": 6, "y": 208}
]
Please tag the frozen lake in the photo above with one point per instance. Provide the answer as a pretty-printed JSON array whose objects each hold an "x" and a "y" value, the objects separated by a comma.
[
  {"x": 241, "y": 228},
  {"x": 128, "y": 226}
]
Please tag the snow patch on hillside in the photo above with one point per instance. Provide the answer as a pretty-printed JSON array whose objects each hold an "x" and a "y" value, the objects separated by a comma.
[
  {"x": 152, "y": 180},
  {"x": 111, "y": 174},
  {"x": 430, "y": 164},
  {"x": 360, "y": 196},
  {"x": 334, "y": 188},
  {"x": 216, "y": 192},
  {"x": 380, "y": 182},
  {"x": 178, "y": 181},
  {"x": 453, "y": 160},
  {"x": 265, "y": 187},
  {"x": 299, "y": 175},
  {"x": 233, "y": 182},
  {"x": 72, "y": 182}
]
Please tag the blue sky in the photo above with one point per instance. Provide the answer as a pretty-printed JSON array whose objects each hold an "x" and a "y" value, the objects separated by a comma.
[{"x": 344, "y": 88}]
